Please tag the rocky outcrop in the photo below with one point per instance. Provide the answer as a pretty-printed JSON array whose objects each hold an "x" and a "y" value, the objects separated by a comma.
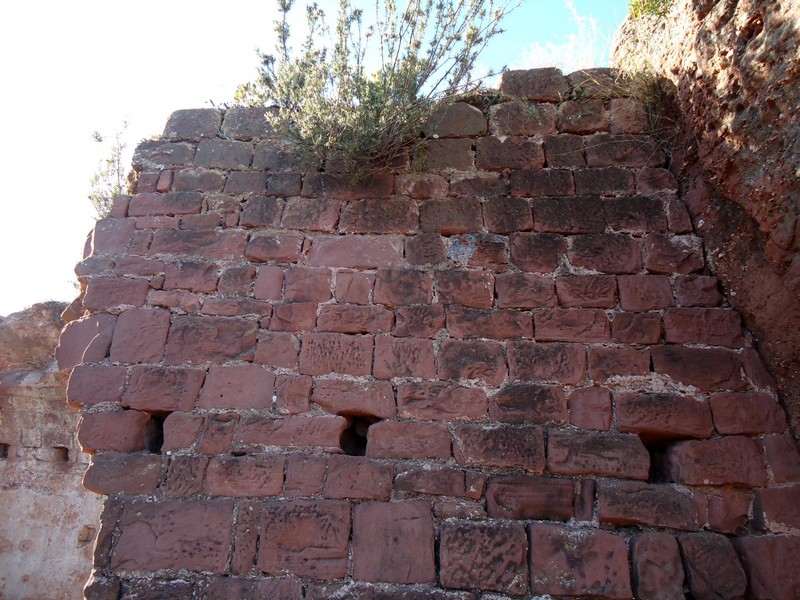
[
  {"x": 735, "y": 65},
  {"x": 48, "y": 520}
]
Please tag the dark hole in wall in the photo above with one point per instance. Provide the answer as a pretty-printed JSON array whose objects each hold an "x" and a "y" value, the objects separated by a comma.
[
  {"x": 658, "y": 461},
  {"x": 155, "y": 436},
  {"x": 3, "y": 451},
  {"x": 60, "y": 454},
  {"x": 354, "y": 439}
]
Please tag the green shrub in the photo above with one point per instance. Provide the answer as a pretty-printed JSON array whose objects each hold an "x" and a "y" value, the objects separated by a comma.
[
  {"x": 657, "y": 8},
  {"x": 358, "y": 95},
  {"x": 109, "y": 179}
]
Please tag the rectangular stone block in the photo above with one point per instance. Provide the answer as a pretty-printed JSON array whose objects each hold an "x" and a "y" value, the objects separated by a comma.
[
  {"x": 521, "y": 497},
  {"x": 597, "y": 453},
  {"x": 439, "y": 401},
  {"x": 323, "y": 353},
  {"x": 519, "y": 447},
  {"x": 559, "y": 363},
  {"x": 650, "y": 505},
  {"x": 245, "y": 476}
]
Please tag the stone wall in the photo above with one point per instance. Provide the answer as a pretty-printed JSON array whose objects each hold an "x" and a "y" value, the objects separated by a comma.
[
  {"x": 509, "y": 372},
  {"x": 47, "y": 517}
]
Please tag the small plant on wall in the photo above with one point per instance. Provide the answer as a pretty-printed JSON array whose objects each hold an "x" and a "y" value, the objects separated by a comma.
[
  {"x": 357, "y": 94},
  {"x": 657, "y": 8}
]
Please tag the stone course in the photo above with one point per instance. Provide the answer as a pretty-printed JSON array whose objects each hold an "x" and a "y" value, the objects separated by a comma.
[{"x": 509, "y": 374}]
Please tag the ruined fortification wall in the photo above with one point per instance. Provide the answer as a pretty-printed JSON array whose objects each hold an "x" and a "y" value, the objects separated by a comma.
[
  {"x": 48, "y": 520},
  {"x": 736, "y": 66},
  {"x": 509, "y": 374}
]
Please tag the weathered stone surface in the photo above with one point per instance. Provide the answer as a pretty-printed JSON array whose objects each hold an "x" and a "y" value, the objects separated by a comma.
[
  {"x": 439, "y": 481},
  {"x": 358, "y": 478},
  {"x": 360, "y": 252},
  {"x": 571, "y": 325},
  {"x": 324, "y": 353},
  {"x": 202, "y": 340},
  {"x": 536, "y": 404},
  {"x": 308, "y": 538},
  {"x": 163, "y": 388},
  {"x": 440, "y": 401},
  {"x": 657, "y": 567},
  {"x": 712, "y": 568},
  {"x": 522, "y": 118},
  {"x": 778, "y": 509},
  {"x": 474, "y": 289},
  {"x": 399, "y": 287},
  {"x": 523, "y": 290},
  {"x": 494, "y": 324},
  {"x": 457, "y": 120},
  {"x": 709, "y": 369},
  {"x": 84, "y": 340},
  {"x": 408, "y": 439},
  {"x": 638, "y": 503},
  {"x": 537, "y": 252},
  {"x": 597, "y": 453},
  {"x": 565, "y": 561},
  {"x": 466, "y": 360},
  {"x": 115, "y": 431},
  {"x": 615, "y": 364},
  {"x": 559, "y": 363},
  {"x": 544, "y": 85},
  {"x": 115, "y": 473},
  {"x": 193, "y": 124},
  {"x": 590, "y": 408},
  {"x": 710, "y": 326},
  {"x": 393, "y": 543},
  {"x": 355, "y": 397},
  {"x": 422, "y": 321},
  {"x": 291, "y": 431},
  {"x": 242, "y": 476},
  {"x": 663, "y": 416},
  {"x": 586, "y": 291},
  {"x": 769, "y": 563},
  {"x": 403, "y": 357},
  {"x": 484, "y": 556},
  {"x": 734, "y": 460},
  {"x": 521, "y": 497},
  {"x": 520, "y": 447},
  {"x": 92, "y": 384},
  {"x": 606, "y": 253},
  {"x": 747, "y": 413},
  {"x": 140, "y": 335}
]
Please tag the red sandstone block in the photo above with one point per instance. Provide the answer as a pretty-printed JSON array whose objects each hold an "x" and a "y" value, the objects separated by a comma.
[
  {"x": 230, "y": 588},
  {"x": 655, "y": 417},
  {"x": 636, "y": 214},
  {"x": 170, "y": 204},
  {"x": 324, "y": 353},
  {"x": 483, "y": 361},
  {"x": 197, "y": 180},
  {"x": 590, "y": 408},
  {"x": 185, "y": 475},
  {"x": 522, "y": 118},
  {"x": 639, "y": 503},
  {"x": 425, "y": 249},
  {"x": 246, "y": 182},
  {"x": 422, "y": 321},
  {"x": 485, "y": 556},
  {"x": 614, "y": 363},
  {"x": 307, "y": 285},
  {"x": 260, "y": 211},
  {"x": 408, "y": 439},
  {"x": 158, "y": 154},
  {"x": 497, "y": 154},
  {"x": 544, "y": 85},
  {"x": 224, "y": 154},
  {"x": 575, "y": 562},
  {"x": 158, "y": 222},
  {"x": 522, "y": 497},
  {"x": 343, "y": 187},
  {"x": 358, "y": 477},
  {"x": 140, "y": 335},
  {"x": 571, "y": 325},
  {"x": 273, "y": 155},
  {"x": 537, "y": 252},
  {"x": 559, "y": 363},
  {"x": 181, "y": 430},
  {"x": 107, "y": 292},
  {"x": 597, "y": 453},
  {"x": 697, "y": 290},
  {"x": 542, "y": 182},
  {"x": 218, "y": 433},
  {"x": 732, "y": 460},
  {"x": 709, "y": 369},
  {"x": 227, "y": 244},
  {"x": 657, "y": 568},
  {"x": 356, "y": 252},
  {"x": 350, "y": 318},
  {"x": 439, "y": 401},
  {"x": 163, "y": 388},
  {"x": 459, "y": 119},
  {"x": 277, "y": 350},
  {"x": 311, "y": 214},
  {"x": 586, "y": 291},
  {"x": 195, "y": 276},
  {"x": 169, "y": 534},
  {"x": 436, "y": 481},
  {"x": 92, "y": 384},
  {"x": 652, "y": 180},
  {"x": 403, "y": 357},
  {"x": 185, "y": 301},
  {"x": 518, "y": 447},
  {"x": 280, "y": 247},
  {"x": 583, "y": 214},
  {"x": 712, "y": 568},
  {"x": 115, "y": 431},
  {"x": 269, "y": 283},
  {"x": 605, "y": 181},
  {"x": 353, "y": 287},
  {"x": 623, "y": 150},
  {"x": 506, "y": 215},
  {"x": 582, "y": 116},
  {"x": 342, "y": 397},
  {"x": 241, "y": 476},
  {"x": 198, "y": 340},
  {"x": 564, "y": 150},
  {"x": 447, "y": 154},
  {"x": 770, "y": 563},
  {"x": 236, "y": 307},
  {"x": 607, "y": 253},
  {"x": 421, "y": 185},
  {"x": 395, "y": 215},
  {"x": 728, "y": 509},
  {"x": 210, "y": 220},
  {"x": 644, "y": 292},
  {"x": 193, "y": 124},
  {"x": 480, "y": 250},
  {"x": 304, "y": 475},
  {"x": 710, "y": 326},
  {"x": 308, "y": 538},
  {"x": 237, "y": 386},
  {"x": 468, "y": 288},
  {"x": 536, "y": 404},
  {"x": 756, "y": 370},
  {"x": 778, "y": 509},
  {"x": 495, "y": 324},
  {"x": 138, "y": 267},
  {"x": 636, "y": 328},
  {"x": 783, "y": 457},
  {"x": 112, "y": 473},
  {"x": 394, "y": 542},
  {"x": 85, "y": 340},
  {"x": 748, "y": 413},
  {"x": 292, "y": 393},
  {"x": 398, "y": 287},
  {"x": 292, "y": 431},
  {"x": 521, "y": 290},
  {"x": 451, "y": 216},
  {"x": 474, "y": 183},
  {"x": 677, "y": 214},
  {"x": 676, "y": 254}
]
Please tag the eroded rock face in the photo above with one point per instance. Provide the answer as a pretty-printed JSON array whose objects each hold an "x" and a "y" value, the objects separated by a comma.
[
  {"x": 736, "y": 67},
  {"x": 47, "y": 517}
]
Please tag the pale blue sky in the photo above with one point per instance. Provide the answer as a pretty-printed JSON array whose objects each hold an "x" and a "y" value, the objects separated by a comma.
[{"x": 69, "y": 69}]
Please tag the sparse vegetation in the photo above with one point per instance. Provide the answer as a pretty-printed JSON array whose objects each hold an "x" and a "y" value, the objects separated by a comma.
[
  {"x": 358, "y": 95},
  {"x": 109, "y": 180},
  {"x": 656, "y": 8}
]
